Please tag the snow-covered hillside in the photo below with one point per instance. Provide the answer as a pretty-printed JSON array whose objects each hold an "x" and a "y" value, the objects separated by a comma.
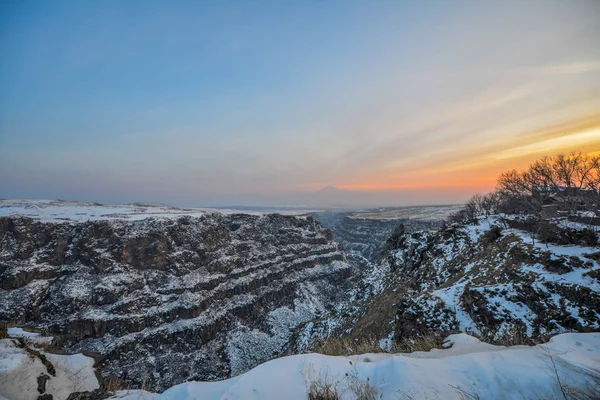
[
  {"x": 486, "y": 278},
  {"x": 468, "y": 368},
  {"x": 496, "y": 282}
]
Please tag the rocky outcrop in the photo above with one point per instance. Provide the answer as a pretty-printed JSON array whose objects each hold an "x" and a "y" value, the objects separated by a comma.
[
  {"x": 486, "y": 279},
  {"x": 170, "y": 299},
  {"x": 494, "y": 283}
]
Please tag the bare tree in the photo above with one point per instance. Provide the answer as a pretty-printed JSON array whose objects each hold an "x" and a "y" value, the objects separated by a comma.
[{"x": 564, "y": 182}]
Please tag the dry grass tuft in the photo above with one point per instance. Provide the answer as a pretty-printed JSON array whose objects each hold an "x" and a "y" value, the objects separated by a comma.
[
  {"x": 420, "y": 343},
  {"x": 332, "y": 347},
  {"x": 362, "y": 389},
  {"x": 346, "y": 346},
  {"x": 323, "y": 387},
  {"x": 590, "y": 391},
  {"x": 326, "y": 387},
  {"x": 112, "y": 384},
  {"x": 465, "y": 395}
]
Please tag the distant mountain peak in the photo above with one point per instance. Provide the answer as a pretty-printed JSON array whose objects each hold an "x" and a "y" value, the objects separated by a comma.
[{"x": 330, "y": 189}]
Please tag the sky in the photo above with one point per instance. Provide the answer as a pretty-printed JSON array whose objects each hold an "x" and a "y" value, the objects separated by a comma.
[{"x": 265, "y": 102}]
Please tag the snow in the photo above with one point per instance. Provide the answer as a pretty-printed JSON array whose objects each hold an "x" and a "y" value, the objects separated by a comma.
[
  {"x": 421, "y": 213},
  {"x": 575, "y": 277},
  {"x": 19, "y": 332},
  {"x": 516, "y": 310},
  {"x": 579, "y": 226},
  {"x": 451, "y": 297},
  {"x": 73, "y": 211},
  {"x": 487, "y": 371},
  {"x": 502, "y": 293},
  {"x": 19, "y": 371},
  {"x": 11, "y": 358},
  {"x": 477, "y": 230},
  {"x": 386, "y": 344},
  {"x": 568, "y": 251},
  {"x": 31, "y": 337}
]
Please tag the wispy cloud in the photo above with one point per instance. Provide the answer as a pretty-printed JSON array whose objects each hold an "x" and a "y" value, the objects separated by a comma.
[
  {"x": 582, "y": 67},
  {"x": 580, "y": 140},
  {"x": 243, "y": 100}
]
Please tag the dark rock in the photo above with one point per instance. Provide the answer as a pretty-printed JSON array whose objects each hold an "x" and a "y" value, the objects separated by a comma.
[
  {"x": 97, "y": 394},
  {"x": 41, "y": 383}
]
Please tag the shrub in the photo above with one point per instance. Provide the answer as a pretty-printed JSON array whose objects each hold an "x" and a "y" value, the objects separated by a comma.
[{"x": 492, "y": 235}]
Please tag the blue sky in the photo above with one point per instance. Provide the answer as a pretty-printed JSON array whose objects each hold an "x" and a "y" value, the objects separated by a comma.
[{"x": 198, "y": 102}]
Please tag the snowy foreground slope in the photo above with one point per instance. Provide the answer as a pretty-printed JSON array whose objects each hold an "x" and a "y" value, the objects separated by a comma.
[
  {"x": 26, "y": 371},
  {"x": 468, "y": 367}
]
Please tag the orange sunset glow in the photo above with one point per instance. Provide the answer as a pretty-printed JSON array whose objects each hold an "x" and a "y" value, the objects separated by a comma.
[
  {"x": 402, "y": 102},
  {"x": 477, "y": 168}
]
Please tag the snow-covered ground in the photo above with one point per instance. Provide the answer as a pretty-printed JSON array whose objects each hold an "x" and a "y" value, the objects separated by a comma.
[
  {"x": 422, "y": 213},
  {"x": 502, "y": 295},
  {"x": 32, "y": 337},
  {"x": 469, "y": 366},
  {"x": 74, "y": 211},
  {"x": 20, "y": 370}
]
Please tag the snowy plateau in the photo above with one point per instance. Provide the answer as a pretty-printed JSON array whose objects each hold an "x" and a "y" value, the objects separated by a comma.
[{"x": 153, "y": 302}]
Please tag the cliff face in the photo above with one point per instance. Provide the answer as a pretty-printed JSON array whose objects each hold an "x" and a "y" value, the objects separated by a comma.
[
  {"x": 170, "y": 299},
  {"x": 363, "y": 239}
]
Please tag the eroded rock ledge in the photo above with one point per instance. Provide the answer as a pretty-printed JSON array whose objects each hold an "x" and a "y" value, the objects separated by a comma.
[{"x": 168, "y": 300}]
